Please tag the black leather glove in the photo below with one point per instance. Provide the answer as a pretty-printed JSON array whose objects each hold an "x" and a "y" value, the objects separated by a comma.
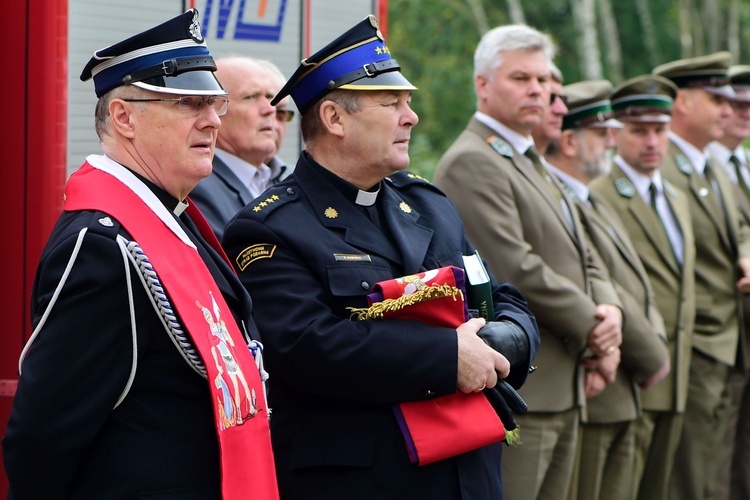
[
  {"x": 506, "y": 401},
  {"x": 508, "y": 339}
]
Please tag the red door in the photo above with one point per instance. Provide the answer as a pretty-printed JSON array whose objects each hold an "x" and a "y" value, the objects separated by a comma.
[{"x": 32, "y": 175}]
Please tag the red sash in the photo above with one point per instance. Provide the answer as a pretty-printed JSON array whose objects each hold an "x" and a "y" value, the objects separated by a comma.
[
  {"x": 450, "y": 425},
  {"x": 240, "y": 410}
]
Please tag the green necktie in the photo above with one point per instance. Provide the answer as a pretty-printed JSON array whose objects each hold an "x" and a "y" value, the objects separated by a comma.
[
  {"x": 653, "y": 193},
  {"x": 740, "y": 179}
]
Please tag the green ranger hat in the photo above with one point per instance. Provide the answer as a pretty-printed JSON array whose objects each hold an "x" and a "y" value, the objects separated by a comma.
[
  {"x": 644, "y": 99},
  {"x": 709, "y": 73},
  {"x": 589, "y": 105}
]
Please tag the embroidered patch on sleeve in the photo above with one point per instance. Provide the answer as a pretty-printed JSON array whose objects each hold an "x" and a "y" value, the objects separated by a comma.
[{"x": 253, "y": 253}]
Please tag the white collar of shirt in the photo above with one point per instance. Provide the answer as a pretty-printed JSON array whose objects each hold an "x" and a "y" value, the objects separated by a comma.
[
  {"x": 249, "y": 175},
  {"x": 741, "y": 153},
  {"x": 642, "y": 182},
  {"x": 722, "y": 155},
  {"x": 695, "y": 156},
  {"x": 519, "y": 142},
  {"x": 580, "y": 189}
]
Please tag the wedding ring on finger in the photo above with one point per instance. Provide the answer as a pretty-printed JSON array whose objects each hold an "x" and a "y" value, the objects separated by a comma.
[{"x": 611, "y": 349}]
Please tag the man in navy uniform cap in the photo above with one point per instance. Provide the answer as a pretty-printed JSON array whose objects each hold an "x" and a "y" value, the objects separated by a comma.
[
  {"x": 722, "y": 265},
  {"x": 137, "y": 380},
  {"x": 312, "y": 247}
]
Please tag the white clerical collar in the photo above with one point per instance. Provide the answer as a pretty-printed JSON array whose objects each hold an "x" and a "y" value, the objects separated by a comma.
[
  {"x": 367, "y": 198},
  {"x": 181, "y": 207}
]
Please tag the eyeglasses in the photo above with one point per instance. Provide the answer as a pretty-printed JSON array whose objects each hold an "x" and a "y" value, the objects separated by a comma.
[
  {"x": 284, "y": 115},
  {"x": 553, "y": 97},
  {"x": 193, "y": 104}
]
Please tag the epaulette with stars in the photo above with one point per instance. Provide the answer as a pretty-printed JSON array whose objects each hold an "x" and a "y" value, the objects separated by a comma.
[
  {"x": 406, "y": 179},
  {"x": 269, "y": 201}
]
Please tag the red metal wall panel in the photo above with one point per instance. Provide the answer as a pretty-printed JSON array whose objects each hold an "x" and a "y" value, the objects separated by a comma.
[{"x": 33, "y": 173}]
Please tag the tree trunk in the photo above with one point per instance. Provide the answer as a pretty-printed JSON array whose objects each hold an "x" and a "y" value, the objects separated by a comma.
[
  {"x": 649, "y": 34},
  {"x": 611, "y": 39},
  {"x": 584, "y": 17},
  {"x": 686, "y": 33},
  {"x": 515, "y": 12},
  {"x": 712, "y": 23},
  {"x": 480, "y": 16},
  {"x": 733, "y": 29}
]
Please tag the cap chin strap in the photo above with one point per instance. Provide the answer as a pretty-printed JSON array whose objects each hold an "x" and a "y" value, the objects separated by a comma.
[
  {"x": 171, "y": 67},
  {"x": 370, "y": 70}
]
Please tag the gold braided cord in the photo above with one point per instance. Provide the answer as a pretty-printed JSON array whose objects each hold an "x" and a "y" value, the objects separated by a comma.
[{"x": 379, "y": 309}]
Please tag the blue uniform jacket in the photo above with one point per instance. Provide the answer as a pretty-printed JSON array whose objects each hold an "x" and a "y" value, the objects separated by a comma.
[{"x": 307, "y": 254}]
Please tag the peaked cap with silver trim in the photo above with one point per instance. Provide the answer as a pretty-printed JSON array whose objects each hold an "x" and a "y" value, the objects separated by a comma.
[{"x": 172, "y": 58}]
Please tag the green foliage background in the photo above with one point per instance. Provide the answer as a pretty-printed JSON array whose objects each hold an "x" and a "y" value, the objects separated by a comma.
[{"x": 434, "y": 41}]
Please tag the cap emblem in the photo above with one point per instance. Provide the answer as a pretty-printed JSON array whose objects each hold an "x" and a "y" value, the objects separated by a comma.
[{"x": 195, "y": 29}]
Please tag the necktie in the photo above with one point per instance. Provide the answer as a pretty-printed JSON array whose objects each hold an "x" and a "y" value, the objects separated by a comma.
[
  {"x": 653, "y": 194},
  {"x": 536, "y": 161},
  {"x": 740, "y": 179}
]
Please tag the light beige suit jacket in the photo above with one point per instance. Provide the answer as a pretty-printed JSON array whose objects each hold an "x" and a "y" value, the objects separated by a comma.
[
  {"x": 644, "y": 348},
  {"x": 672, "y": 283},
  {"x": 718, "y": 245},
  {"x": 520, "y": 230}
]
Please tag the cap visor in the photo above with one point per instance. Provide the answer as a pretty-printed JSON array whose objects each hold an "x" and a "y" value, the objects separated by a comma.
[
  {"x": 723, "y": 91},
  {"x": 188, "y": 83},
  {"x": 392, "y": 80},
  {"x": 646, "y": 118}
]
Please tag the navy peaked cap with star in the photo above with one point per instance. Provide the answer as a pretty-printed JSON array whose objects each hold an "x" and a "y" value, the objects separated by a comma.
[
  {"x": 357, "y": 60},
  {"x": 172, "y": 58}
]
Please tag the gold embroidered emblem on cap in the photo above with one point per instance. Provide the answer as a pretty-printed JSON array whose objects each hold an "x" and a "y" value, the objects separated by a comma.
[
  {"x": 331, "y": 213},
  {"x": 404, "y": 207},
  {"x": 253, "y": 253}
]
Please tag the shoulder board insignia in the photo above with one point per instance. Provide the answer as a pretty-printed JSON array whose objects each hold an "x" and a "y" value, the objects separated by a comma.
[
  {"x": 411, "y": 175},
  {"x": 625, "y": 187},
  {"x": 668, "y": 188},
  {"x": 263, "y": 205},
  {"x": 500, "y": 146},
  {"x": 683, "y": 164}
]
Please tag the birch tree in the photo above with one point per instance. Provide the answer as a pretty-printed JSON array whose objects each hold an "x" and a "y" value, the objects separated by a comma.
[
  {"x": 584, "y": 18},
  {"x": 515, "y": 12},
  {"x": 611, "y": 39}
]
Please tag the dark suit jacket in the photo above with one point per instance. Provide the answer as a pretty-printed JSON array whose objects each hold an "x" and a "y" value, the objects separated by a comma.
[
  {"x": 220, "y": 196},
  {"x": 307, "y": 254},
  {"x": 64, "y": 440},
  {"x": 520, "y": 229}
]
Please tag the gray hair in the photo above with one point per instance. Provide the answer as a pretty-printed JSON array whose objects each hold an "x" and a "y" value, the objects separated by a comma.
[
  {"x": 101, "y": 112},
  {"x": 311, "y": 125},
  {"x": 488, "y": 58}
]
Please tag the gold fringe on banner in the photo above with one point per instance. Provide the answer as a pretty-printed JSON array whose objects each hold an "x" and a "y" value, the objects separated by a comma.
[{"x": 379, "y": 309}]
